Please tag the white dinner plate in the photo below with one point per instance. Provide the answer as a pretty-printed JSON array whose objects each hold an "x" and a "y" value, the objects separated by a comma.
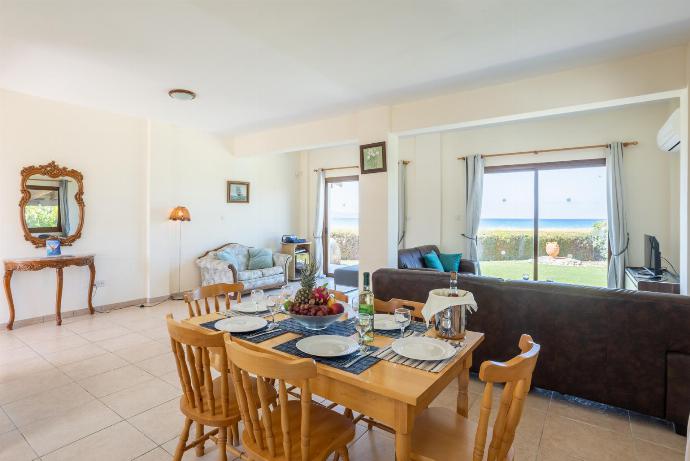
[
  {"x": 247, "y": 307},
  {"x": 387, "y": 322},
  {"x": 240, "y": 324},
  {"x": 327, "y": 345},
  {"x": 423, "y": 348}
]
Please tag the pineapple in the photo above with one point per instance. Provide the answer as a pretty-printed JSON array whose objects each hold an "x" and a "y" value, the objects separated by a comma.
[{"x": 307, "y": 282}]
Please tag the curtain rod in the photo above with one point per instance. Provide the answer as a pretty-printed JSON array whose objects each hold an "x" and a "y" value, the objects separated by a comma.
[
  {"x": 405, "y": 162},
  {"x": 558, "y": 149}
]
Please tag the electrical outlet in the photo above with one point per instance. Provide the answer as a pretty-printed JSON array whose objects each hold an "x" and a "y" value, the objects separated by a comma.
[{"x": 99, "y": 283}]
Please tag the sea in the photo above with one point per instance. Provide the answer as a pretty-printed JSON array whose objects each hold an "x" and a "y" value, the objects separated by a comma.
[{"x": 517, "y": 224}]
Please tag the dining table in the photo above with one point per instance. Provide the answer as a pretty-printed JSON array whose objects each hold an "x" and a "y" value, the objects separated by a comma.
[{"x": 393, "y": 394}]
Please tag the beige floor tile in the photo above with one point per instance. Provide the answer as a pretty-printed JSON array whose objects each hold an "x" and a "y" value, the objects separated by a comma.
[
  {"x": 551, "y": 453},
  {"x": 6, "y": 424},
  {"x": 141, "y": 397},
  {"x": 373, "y": 446},
  {"x": 172, "y": 378},
  {"x": 647, "y": 451},
  {"x": 101, "y": 334},
  {"x": 74, "y": 355},
  {"x": 53, "y": 402},
  {"x": 60, "y": 343},
  {"x": 118, "y": 442},
  {"x": 156, "y": 333},
  {"x": 143, "y": 351},
  {"x": 114, "y": 380},
  {"x": 17, "y": 354},
  {"x": 210, "y": 451},
  {"x": 656, "y": 431},
  {"x": 47, "y": 435},
  {"x": 23, "y": 368},
  {"x": 121, "y": 342},
  {"x": 591, "y": 413},
  {"x": 159, "y": 365},
  {"x": 9, "y": 342},
  {"x": 160, "y": 423},
  {"x": 93, "y": 366},
  {"x": 157, "y": 454},
  {"x": 41, "y": 332},
  {"x": 28, "y": 385},
  {"x": 585, "y": 441},
  {"x": 13, "y": 447}
]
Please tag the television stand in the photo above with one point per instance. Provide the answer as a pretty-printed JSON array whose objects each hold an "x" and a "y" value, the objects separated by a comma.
[{"x": 642, "y": 279}]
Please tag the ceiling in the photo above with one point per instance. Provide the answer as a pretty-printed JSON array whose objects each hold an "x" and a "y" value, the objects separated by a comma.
[{"x": 261, "y": 63}]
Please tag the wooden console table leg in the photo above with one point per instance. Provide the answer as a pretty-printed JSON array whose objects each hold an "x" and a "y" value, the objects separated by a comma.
[
  {"x": 8, "y": 294},
  {"x": 92, "y": 280},
  {"x": 58, "y": 298}
]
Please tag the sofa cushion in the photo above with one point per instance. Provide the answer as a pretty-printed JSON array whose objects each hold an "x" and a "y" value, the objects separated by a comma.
[
  {"x": 240, "y": 252},
  {"x": 432, "y": 261},
  {"x": 271, "y": 271},
  {"x": 413, "y": 258},
  {"x": 249, "y": 275},
  {"x": 227, "y": 255},
  {"x": 450, "y": 262},
  {"x": 260, "y": 258}
]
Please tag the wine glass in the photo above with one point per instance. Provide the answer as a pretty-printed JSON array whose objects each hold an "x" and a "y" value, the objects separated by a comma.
[
  {"x": 285, "y": 295},
  {"x": 402, "y": 317},
  {"x": 258, "y": 298}
]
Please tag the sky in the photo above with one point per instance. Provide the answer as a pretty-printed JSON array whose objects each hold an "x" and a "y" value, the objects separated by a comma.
[{"x": 576, "y": 193}]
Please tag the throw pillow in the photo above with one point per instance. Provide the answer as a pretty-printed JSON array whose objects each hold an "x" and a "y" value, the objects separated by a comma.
[
  {"x": 451, "y": 262},
  {"x": 431, "y": 261},
  {"x": 228, "y": 256},
  {"x": 260, "y": 258}
]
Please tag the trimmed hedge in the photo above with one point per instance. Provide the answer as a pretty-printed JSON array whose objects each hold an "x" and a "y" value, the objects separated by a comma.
[
  {"x": 348, "y": 242},
  {"x": 507, "y": 245}
]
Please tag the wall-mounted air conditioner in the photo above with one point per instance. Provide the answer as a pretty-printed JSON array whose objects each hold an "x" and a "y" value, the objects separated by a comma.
[{"x": 668, "y": 138}]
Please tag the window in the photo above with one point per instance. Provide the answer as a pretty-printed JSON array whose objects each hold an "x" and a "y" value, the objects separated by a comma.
[
  {"x": 42, "y": 213},
  {"x": 545, "y": 222},
  {"x": 341, "y": 245}
]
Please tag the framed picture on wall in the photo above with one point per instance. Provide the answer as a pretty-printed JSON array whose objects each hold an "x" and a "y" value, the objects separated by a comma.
[
  {"x": 372, "y": 158},
  {"x": 238, "y": 192}
]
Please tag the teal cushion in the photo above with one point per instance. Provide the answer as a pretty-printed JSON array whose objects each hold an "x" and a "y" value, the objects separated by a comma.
[
  {"x": 228, "y": 256},
  {"x": 451, "y": 262},
  {"x": 431, "y": 261},
  {"x": 260, "y": 258}
]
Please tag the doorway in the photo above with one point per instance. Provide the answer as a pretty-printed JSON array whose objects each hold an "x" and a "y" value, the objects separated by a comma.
[{"x": 341, "y": 223}]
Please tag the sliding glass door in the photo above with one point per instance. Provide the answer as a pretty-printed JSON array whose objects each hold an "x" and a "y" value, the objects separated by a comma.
[
  {"x": 341, "y": 245},
  {"x": 566, "y": 222}
]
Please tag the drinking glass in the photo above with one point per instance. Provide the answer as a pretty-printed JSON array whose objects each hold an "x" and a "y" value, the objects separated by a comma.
[
  {"x": 365, "y": 330},
  {"x": 258, "y": 298},
  {"x": 354, "y": 307},
  {"x": 272, "y": 303},
  {"x": 403, "y": 318},
  {"x": 285, "y": 295}
]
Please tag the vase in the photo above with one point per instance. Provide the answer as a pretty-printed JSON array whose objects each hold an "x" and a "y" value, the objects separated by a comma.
[{"x": 552, "y": 249}]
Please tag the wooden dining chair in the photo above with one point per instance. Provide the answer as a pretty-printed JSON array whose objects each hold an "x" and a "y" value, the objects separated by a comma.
[
  {"x": 295, "y": 430},
  {"x": 340, "y": 296},
  {"x": 389, "y": 307},
  {"x": 441, "y": 434},
  {"x": 226, "y": 291}
]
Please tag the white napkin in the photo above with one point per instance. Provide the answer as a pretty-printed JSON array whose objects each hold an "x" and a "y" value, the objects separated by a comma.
[{"x": 439, "y": 300}]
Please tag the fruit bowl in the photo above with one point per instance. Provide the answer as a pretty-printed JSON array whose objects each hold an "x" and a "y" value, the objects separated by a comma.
[{"x": 315, "y": 322}]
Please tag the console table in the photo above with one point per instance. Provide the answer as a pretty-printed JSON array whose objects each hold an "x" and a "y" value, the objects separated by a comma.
[{"x": 49, "y": 262}]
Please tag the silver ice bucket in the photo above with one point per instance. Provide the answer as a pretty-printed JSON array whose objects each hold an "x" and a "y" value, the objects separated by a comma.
[{"x": 450, "y": 322}]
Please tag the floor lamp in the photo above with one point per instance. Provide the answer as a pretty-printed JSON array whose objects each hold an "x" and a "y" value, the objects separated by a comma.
[{"x": 180, "y": 214}]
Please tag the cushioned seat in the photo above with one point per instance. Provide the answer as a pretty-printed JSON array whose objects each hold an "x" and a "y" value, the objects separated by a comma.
[{"x": 348, "y": 276}]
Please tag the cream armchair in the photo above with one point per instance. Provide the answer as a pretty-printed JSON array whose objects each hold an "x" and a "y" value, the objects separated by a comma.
[{"x": 215, "y": 270}]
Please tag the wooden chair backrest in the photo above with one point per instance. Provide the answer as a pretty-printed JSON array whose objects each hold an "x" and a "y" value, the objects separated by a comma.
[
  {"x": 516, "y": 375},
  {"x": 227, "y": 291},
  {"x": 339, "y": 296},
  {"x": 390, "y": 307},
  {"x": 190, "y": 347},
  {"x": 270, "y": 370}
]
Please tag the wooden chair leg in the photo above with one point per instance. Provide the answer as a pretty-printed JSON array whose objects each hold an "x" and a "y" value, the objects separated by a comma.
[
  {"x": 184, "y": 436},
  {"x": 236, "y": 434},
  {"x": 344, "y": 454},
  {"x": 199, "y": 434},
  {"x": 222, "y": 444},
  {"x": 348, "y": 413}
]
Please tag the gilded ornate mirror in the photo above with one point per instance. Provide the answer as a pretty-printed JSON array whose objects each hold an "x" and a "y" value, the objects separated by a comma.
[{"x": 52, "y": 204}]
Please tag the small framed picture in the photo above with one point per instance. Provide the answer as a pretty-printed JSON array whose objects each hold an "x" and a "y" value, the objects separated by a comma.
[
  {"x": 238, "y": 192},
  {"x": 372, "y": 158}
]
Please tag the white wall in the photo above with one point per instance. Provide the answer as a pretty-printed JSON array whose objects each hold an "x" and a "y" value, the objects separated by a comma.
[
  {"x": 135, "y": 172},
  {"x": 436, "y": 181}
]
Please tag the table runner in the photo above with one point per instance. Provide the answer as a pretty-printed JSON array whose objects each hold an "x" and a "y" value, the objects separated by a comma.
[{"x": 335, "y": 362}]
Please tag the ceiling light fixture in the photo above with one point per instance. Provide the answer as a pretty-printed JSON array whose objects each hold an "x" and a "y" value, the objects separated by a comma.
[{"x": 181, "y": 94}]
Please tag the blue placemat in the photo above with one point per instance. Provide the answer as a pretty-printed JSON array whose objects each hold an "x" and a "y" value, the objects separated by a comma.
[
  {"x": 245, "y": 336},
  {"x": 337, "y": 362},
  {"x": 341, "y": 328},
  {"x": 415, "y": 327}
]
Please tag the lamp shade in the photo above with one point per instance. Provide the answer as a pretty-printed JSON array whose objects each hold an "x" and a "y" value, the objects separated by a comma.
[{"x": 180, "y": 213}]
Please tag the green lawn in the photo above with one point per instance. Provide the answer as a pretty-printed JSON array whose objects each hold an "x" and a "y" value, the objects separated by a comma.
[{"x": 579, "y": 275}]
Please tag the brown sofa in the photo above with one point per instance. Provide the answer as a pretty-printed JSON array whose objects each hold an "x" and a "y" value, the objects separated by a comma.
[
  {"x": 413, "y": 258},
  {"x": 630, "y": 349}
]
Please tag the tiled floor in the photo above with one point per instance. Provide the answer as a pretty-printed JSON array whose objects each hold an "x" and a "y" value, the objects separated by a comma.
[{"x": 104, "y": 387}]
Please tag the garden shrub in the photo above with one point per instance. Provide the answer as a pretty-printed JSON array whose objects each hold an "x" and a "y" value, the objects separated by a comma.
[{"x": 348, "y": 241}]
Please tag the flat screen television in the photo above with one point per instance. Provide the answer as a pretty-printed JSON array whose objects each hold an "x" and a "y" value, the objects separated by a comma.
[{"x": 652, "y": 255}]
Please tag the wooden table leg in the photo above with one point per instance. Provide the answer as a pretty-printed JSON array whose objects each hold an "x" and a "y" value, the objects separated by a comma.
[
  {"x": 8, "y": 294},
  {"x": 58, "y": 298},
  {"x": 463, "y": 405},
  {"x": 403, "y": 431},
  {"x": 92, "y": 280}
]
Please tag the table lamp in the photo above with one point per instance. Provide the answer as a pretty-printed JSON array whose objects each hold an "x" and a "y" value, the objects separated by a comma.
[{"x": 180, "y": 214}]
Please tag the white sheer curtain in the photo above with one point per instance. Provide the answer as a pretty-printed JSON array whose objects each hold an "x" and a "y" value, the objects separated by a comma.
[
  {"x": 318, "y": 218},
  {"x": 402, "y": 204},
  {"x": 618, "y": 232},
  {"x": 474, "y": 170}
]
